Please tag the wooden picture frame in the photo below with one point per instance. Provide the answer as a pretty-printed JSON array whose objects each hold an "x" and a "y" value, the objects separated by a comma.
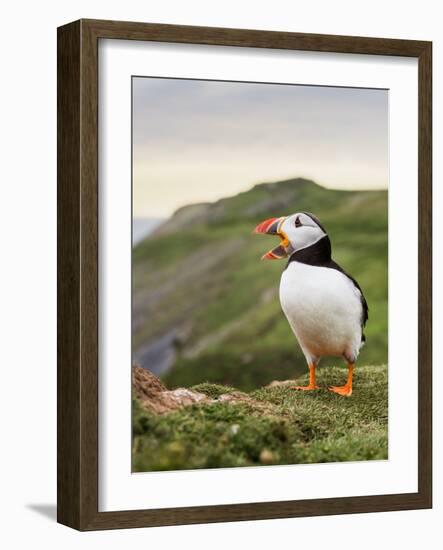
[{"x": 77, "y": 481}]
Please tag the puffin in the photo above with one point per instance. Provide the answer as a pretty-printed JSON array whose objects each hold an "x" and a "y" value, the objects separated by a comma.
[{"x": 325, "y": 306}]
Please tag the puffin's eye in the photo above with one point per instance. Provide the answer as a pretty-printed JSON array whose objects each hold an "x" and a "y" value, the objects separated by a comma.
[{"x": 298, "y": 222}]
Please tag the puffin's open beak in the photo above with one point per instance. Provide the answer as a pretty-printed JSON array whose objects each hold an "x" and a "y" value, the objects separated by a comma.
[{"x": 272, "y": 227}]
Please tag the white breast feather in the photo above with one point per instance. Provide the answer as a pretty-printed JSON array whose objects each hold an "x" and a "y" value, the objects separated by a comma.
[{"x": 324, "y": 309}]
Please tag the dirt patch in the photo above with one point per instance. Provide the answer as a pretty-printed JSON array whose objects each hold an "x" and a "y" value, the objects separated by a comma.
[
  {"x": 154, "y": 396},
  {"x": 145, "y": 384}
]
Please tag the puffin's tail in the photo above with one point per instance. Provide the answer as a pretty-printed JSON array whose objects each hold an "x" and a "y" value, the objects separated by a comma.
[{"x": 363, "y": 340}]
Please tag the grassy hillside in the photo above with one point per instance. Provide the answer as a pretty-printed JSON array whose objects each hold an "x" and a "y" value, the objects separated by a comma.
[
  {"x": 199, "y": 278},
  {"x": 271, "y": 425}
]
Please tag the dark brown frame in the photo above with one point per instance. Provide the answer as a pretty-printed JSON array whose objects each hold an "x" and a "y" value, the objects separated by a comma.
[{"x": 77, "y": 456}]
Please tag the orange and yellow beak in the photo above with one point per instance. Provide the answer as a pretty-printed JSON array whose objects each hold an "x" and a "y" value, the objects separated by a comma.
[{"x": 272, "y": 226}]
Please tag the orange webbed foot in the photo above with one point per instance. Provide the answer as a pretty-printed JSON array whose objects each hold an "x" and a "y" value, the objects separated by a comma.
[
  {"x": 312, "y": 385},
  {"x": 345, "y": 390}
]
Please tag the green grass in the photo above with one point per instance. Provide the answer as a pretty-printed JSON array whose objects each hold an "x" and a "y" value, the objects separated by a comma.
[{"x": 271, "y": 426}]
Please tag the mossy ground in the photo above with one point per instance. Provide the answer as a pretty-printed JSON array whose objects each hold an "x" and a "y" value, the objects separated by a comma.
[{"x": 274, "y": 425}]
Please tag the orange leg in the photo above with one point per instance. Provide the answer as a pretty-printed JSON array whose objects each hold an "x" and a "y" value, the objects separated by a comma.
[
  {"x": 345, "y": 390},
  {"x": 311, "y": 385}
]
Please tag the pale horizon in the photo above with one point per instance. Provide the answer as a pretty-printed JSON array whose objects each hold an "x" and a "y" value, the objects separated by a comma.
[{"x": 199, "y": 141}]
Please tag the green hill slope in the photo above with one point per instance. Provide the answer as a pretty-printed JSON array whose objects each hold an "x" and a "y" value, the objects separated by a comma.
[{"x": 200, "y": 288}]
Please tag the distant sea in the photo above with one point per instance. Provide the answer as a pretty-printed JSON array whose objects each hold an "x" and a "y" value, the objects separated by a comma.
[{"x": 142, "y": 227}]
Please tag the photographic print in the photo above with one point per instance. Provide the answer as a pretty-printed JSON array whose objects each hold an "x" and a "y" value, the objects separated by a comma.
[{"x": 259, "y": 274}]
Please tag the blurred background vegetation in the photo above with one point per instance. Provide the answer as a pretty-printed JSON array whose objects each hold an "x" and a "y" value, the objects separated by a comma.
[{"x": 206, "y": 309}]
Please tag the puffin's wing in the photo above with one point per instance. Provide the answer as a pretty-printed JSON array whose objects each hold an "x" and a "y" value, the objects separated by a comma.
[{"x": 364, "y": 303}]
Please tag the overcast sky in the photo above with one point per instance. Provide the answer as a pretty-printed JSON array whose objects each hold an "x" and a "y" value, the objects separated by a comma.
[{"x": 197, "y": 141}]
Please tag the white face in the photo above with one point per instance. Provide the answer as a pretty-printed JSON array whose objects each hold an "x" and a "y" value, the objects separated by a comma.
[
  {"x": 296, "y": 232},
  {"x": 301, "y": 231}
]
